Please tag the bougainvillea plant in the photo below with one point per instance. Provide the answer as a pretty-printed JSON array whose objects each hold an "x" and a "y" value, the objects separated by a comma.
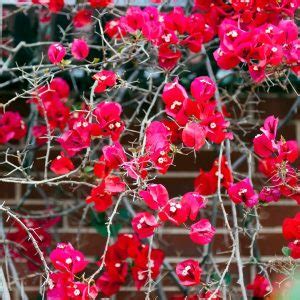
[{"x": 106, "y": 105}]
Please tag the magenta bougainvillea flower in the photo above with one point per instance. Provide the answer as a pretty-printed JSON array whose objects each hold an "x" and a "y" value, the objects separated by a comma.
[
  {"x": 102, "y": 195},
  {"x": 174, "y": 96},
  {"x": 109, "y": 123},
  {"x": 60, "y": 86},
  {"x": 114, "y": 155},
  {"x": 55, "y": 5},
  {"x": 203, "y": 88},
  {"x": 82, "y": 18},
  {"x": 56, "y": 53},
  {"x": 195, "y": 202},
  {"x": 260, "y": 46},
  {"x": 270, "y": 194},
  {"x": 207, "y": 182},
  {"x": 243, "y": 192},
  {"x": 105, "y": 79},
  {"x": 80, "y": 49},
  {"x": 294, "y": 248},
  {"x": 276, "y": 158},
  {"x": 61, "y": 165},
  {"x": 291, "y": 228},
  {"x": 158, "y": 146},
  {"x": 144, "y": 224},
  {"x": 202, "y": 232},
  {"x": 199, "y": 118},
  {"x": 193, "y": 135},
  {"x": 76, "y": 139},
  {"x": 66, "y": 259},
  {"x": 63, "y": 283},
  {"x": 260, "y": 286},
  {"x": 189, "y": 272},
  {"x": 155, "y": 196},
  {"x": 175, "y": 212},
  {"x": 99, "y": 3},
  {"x": 12, "y": 127}
]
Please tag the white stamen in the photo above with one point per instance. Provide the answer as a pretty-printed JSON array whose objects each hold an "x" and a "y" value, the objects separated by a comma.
[
  {"x": 242, "y": 191},
  {"x": 69, "y": 260}
]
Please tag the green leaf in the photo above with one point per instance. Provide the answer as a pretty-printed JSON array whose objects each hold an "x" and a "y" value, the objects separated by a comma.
[
  {"x": 88, "y": 169},
  {"x": 227, "y": 278},
  {"x": 215, "y": 277},
  {"x": 286, "y": 251},
  {"x": 65, "y": 62},
  {"x": 123, "y": 213},
  {"x": 114, "y": 230},
  {"x": 99, "y": 222},
  {"x": 95, "y": 60}
]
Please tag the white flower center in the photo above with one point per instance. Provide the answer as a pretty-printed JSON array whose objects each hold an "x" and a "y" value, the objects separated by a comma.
[
  {"x": 185, "y": 271},
  {"x": 242, "y": 191},
  {"x": 232, "y": 33},
  {"x": 113, "y": 24},
  {"x": 173, "y": 209},
  {"x": 269, "y": 29},
  {"x": 175, "y": 103},
  {"x": 161, "y": 160},
  {"x": 69, "y": 260}
]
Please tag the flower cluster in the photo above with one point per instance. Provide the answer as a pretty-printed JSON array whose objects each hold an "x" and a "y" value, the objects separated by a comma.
[
  {"x": 51, "y": 104},
  {"x": 265, "y": 49},
  {"x": 65, "y": 282},
  {"x": 276, "y": 158},
  {"x": 126, "y": 255},
  {"x": 198, "y": 118},
  {"x": 176, "y": 211},
  {"x": 170, "y": 32},
  {"x": 79, "y": 50},
  {"x": 256, "y": 33}
]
